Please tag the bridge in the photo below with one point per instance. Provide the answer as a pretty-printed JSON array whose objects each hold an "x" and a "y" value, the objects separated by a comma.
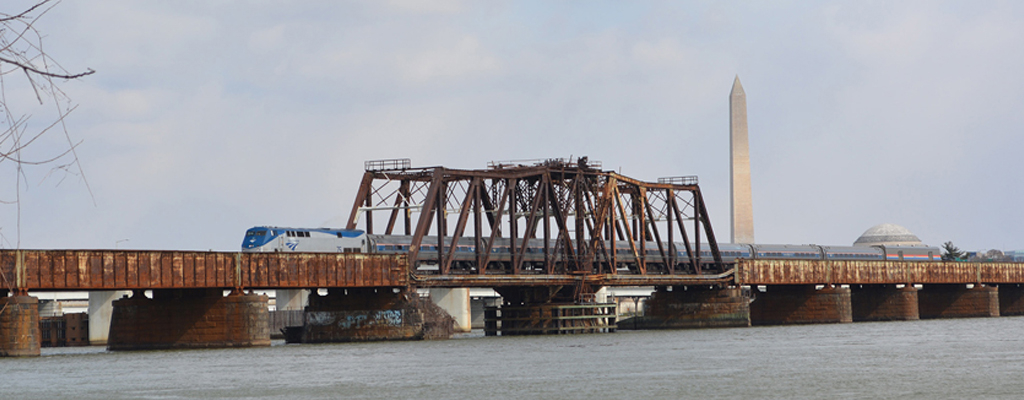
[
  {"x": 187, "y": 289},
  {"x": 570, "y": 228}
]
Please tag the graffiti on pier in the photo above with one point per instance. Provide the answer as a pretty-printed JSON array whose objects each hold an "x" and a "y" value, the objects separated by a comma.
[{"x": 355, "y": 319}]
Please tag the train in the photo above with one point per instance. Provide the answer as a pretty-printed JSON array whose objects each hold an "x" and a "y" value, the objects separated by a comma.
[{"x": 325, "y": 240}]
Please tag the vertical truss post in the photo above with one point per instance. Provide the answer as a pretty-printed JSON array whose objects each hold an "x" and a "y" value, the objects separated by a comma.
[
  {"x": 513, "y": 226},
  {"x": 403, "y": 191},
  {"x": 361, "y": 195},
  {"x": 545, "y": 190},
  {"x": 696, "y": 230},
  {"x": 669, "y": 196},
  {"x": 426, "y": 216}
]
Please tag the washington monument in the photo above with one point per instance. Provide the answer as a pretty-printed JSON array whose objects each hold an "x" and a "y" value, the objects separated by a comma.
[{"x": 739, "y": 167}]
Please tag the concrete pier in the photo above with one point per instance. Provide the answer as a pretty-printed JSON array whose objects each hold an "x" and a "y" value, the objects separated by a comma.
[
  {"x": 100, "y": 308},
  {"x": 884, "y": 303},
  {"x": 291, "y": 299},
  {"x": 957, "y": 301},
  {"x": 801, "y": 304},
  {"x": 189, "y": 318},
  {"x": 1011, "y": 299},
  {"x": 373, "y": 314},
  {"x": 685, "y": 307},
  {"x": 455, "y": 302},
  {"x": 19, "y": 326}
]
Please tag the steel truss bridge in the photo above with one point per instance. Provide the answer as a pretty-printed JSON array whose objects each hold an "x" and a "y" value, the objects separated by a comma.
[{"x": 582, "y": 215}]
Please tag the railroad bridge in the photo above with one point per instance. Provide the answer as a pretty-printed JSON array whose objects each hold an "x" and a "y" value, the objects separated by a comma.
[{"x": 570, "y": 228}]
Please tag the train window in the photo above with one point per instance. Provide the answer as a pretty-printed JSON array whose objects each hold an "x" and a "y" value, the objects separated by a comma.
[
  {"x": 289, "y": 233},
  {"x": 339, "y": 234}
]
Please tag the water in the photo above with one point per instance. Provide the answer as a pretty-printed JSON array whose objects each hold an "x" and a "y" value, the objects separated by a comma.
[{"x": 953, "y": 359}]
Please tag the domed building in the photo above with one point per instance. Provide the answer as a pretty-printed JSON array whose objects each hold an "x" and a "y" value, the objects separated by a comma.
[{"x": 888, "y": 235}]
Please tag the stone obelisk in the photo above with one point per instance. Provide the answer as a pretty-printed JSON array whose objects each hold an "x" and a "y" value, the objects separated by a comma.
[{"x": 739, "y": 167}]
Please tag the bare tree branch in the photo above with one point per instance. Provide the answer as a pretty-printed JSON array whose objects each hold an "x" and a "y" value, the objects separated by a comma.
[
  {"x": 22, "y": 147},
  {"x": 28, "y": 68}
]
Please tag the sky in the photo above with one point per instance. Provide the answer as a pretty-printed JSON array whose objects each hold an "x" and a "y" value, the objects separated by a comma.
[{"x": 206, "y": 118}]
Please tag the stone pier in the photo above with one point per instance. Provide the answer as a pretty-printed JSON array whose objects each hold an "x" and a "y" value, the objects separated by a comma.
[
  {"x": 19, "y": 326},
  {"x": 373, "y": 314},
  {"x": 1011, "y": 299},
  {"x": 800, "y": 304},
  {"x": 683, "y": 307},
  {"x": 957, "y": 301},
  {"x": 189, "y": 318},
  {"x": 884, "y": 303}
]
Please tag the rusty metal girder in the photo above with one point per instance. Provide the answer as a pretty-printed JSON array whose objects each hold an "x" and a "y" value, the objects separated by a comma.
[
  {"x": 23, "y": 270},
  {"x": 581, "y": 215},
  {"x": 801, "y": 272}
]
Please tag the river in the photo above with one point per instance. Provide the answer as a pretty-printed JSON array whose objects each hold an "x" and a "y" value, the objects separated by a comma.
[{"x": 931, "y": 359}]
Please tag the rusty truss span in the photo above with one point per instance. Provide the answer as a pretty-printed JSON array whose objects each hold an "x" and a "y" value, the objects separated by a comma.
[{"x": 549, "y": 217}]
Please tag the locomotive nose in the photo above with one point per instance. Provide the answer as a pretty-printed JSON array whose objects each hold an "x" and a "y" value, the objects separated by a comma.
[{"x": 255, "y": 237}]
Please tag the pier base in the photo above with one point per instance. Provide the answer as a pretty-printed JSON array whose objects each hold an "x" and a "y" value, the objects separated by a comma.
[
  {"x": 547, "y": 311},
  {"x": 19, "y": 326},
  {"x": 884, "y": 303},
  {"x": 1011, "y": 299},
  {"x": 101, "y": 305},
  {"x": 189, "y": 318},
  {"x": 957, "y": 301},
  {"x": 801, "y": 304},
  {"x": 454, "y": 301},
  {"x": 373, "y": 314},
  {"x": 685, "y": 307}
]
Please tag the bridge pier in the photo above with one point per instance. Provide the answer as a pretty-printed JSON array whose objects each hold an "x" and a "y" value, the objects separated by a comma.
[
  {"x": 546, "y": 310},
  {"x": 101, "y": 306},
  {"x": 957, "y": 301},
  {"x": 1011, "y": 299},
  {"x": 19, "y": 326},
  {"x": 291, "y": 299},
  {"x": 373, "y": 314},
  {"x": 801, "y": 304},
  {"x": 884, "y": 303},
  {"x": 189, "y": 318},
  {"x": 683, "y": 307},
  {"x": 454, "y": 301}
]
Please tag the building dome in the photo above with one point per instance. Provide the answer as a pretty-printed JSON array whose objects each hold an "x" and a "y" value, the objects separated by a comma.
[{"x": 888, "y": 235}]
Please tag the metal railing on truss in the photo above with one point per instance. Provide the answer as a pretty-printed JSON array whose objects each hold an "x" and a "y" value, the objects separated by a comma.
[
  {"x": 545, "y": 162},
  {"x": 388, "y": 165},
  {"x": 679, "y": 180}
]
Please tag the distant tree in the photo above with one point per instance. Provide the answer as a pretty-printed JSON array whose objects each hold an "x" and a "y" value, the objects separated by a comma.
[
  {"x": 952, "y": 253},
  {"x": 22, "y": 57}
]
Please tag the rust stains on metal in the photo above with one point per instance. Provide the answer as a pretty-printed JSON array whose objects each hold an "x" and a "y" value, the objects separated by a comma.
[
  {"x": 797, "y": 272},
  {"x": 127, "y": 269},
  {"x": 574, "y": 212}
]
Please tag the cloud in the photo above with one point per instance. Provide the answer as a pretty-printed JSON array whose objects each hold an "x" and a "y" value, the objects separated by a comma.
[{"x": 209, "y": 118}]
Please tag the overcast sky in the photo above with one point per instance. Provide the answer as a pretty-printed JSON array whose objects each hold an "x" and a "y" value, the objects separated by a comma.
[{"x": 206, "y": 118}]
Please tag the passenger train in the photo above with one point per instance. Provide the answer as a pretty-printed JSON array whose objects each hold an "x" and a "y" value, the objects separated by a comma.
[{"x": 320, "y": 240}]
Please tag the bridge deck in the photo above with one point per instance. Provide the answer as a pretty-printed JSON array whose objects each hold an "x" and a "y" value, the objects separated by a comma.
[
  {"x": 795, "y": 272},
  {"x": 127, "y": 269},
  {"x": 55, "y": 270}
]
